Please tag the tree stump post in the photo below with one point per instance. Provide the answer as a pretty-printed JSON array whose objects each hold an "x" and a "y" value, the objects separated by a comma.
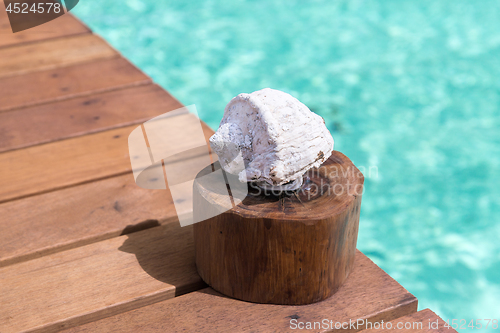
[{"x": 292, "y": 248}]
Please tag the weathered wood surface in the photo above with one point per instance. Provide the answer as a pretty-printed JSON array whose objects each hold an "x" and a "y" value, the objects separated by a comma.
[
  {"x": 52, "y": 222},
  {"x": 418, "y": 322},
  {"x": 80, "y": 215},
  {"x": 65, "y": 163},
  {"x": 63, "y": 26},
  {"x": 67, "y": 82},
  {"x": 296, "y": 249},
  {"x": 83, "y": 115},
  {"x": 98, "y": 280},
  {"x": 53, "y": 53},
  {"x": 368, "y": 293}
]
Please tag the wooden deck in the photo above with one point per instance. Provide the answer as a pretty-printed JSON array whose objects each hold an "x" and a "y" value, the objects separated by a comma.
[{"x": 82, "y": 247}]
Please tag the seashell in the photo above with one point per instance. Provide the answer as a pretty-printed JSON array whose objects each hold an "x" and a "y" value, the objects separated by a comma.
[{"x": 271, "y": 138}]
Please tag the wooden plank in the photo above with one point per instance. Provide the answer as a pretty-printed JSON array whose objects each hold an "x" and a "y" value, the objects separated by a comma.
[
  {"x": 56, "y": 221},
  {"x": 78, "y": 116},
  {"x": 80, "y": 215},
  {"x": 368, "y": 293},
  {"x": 61, "y": 164},
  {"x": 52, "y": 54},
  {"x": 63, "y": 83},
  {"x": 98, "y": 280},
  {"x": 66, "y": 25},
  {"x": 422, "y": 321}
]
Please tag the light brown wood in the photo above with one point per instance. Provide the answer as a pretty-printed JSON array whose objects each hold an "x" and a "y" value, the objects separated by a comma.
[
  {"x": 98, "y": 280},
  {"x": 83, "y": 115},
  {"x": 368, "y": 293},
  {"x": 63, "y": 26},
  {"x": 56, "y": 221},
  {"x": 67, "y": 82},
  {"x": 69, "y": 162},
  {"x": 53, "y": 53},
  {"x": 80, "y": 215},
  {"x": 296, "y": 248},
  {"x": 61, "y": 164},
  {"x": 418, "y": 322}
]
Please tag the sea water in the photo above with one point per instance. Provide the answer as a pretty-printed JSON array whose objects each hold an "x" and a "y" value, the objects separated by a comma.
[{"x": 410, "y": 90}]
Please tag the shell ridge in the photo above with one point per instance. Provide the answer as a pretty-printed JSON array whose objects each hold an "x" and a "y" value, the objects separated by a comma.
[{"x": 279, "y": 137}]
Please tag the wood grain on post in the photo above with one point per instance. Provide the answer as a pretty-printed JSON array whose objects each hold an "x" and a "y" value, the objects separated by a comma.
[{"x": 290, "y": 250}]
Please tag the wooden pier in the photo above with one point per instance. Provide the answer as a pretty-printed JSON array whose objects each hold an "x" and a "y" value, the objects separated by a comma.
[{"x": 82, "y": 247}]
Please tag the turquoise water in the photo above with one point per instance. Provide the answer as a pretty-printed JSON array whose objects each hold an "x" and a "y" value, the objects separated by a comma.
[{"x": 409, "y": 87}]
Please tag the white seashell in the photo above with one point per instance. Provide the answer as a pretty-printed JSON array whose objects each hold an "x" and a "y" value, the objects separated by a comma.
[{"x": 271, "y": 138}]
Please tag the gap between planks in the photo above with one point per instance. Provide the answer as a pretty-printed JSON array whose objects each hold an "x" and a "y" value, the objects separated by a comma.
[
  {"x": 83, "y": 115},
  {"x": 92, "y": 206},
  {"x": 49, "y": 223},
  {"x": 53, "y": 53},
  {"x": 368, "y": 293},
  {"x": 66, "y": 25},
  {"x": 98, "y": 280},
  {"x": 44, "y": 87},
  {"x": 74, "y": 161}
]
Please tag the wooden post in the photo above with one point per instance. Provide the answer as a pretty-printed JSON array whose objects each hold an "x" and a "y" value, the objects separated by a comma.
[{"x": 287, "y": 249}]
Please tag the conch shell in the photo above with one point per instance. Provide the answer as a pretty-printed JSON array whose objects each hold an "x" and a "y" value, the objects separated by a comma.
[{"x": 271, "y": 138}]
